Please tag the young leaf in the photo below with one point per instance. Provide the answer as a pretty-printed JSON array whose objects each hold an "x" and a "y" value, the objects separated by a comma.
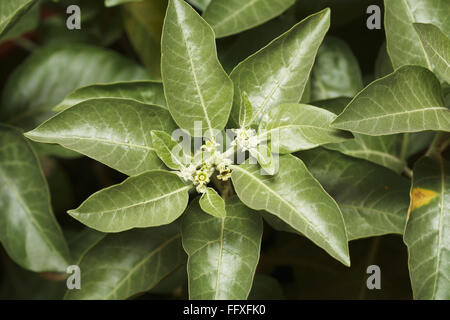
[
  {"x": 35, "y": 88},
  {"x": 437, "y": 48},
  {"x": 150, "y": 199},
  {"x": 408, "y": 100},
  {"x": 29, "y": 232},
  {"x": 223, "y": 252},
  {"x": 427, "y": 231},
  {"x": 196, "y": 86},
  {"x": 145, "y": 92},
  {"x": 297, "y": 198},
  {"x": 11, "y": 11},
  {"x": 278, "y": 73},
  {"x": 143, "y": 23},
  {"x": 115, "y": 132},
  {"x": 374, "y": 200},
  {"x": 403, "y": 42},
  {"x": 169, "y": 151},
  {"x": 136, "y": 261},
  {"x": 246, "y": 111},
  {"x": 263, "y": 154},
  {"x": 336, "y": 71},
  {"x": 294, "y": 127},
  {"x": 228, "y": 17},
  {"x": 212, "y": 203}
]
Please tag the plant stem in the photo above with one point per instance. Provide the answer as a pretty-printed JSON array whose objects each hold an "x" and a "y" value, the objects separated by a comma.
[{"x": 440, "y": 142}]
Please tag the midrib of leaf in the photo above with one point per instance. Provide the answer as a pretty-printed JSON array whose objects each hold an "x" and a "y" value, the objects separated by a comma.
[
  {"x": 310, "y": 225},
  {"x": 137, "y": 266},
  {"x": 409, "y": 11},
  {"x": 398, "y": 113},
  {"x": 235, "y": 13},
  {"x": 28, "y": 211},
  {"x": 376, "y": 153},
  {"x": 194, "y": 74},
  {"x": 135, "y": 204},
  {"x": 14, "y": 13},
  {"x": 219, "y": 265},
  {"x": 109, "y": 142}
]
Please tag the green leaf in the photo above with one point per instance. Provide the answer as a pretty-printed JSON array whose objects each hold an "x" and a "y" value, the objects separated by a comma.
[
  {"x": 196, "y": 86},
  {"x": 35, "y": 88},
  {"x": 115, "y": 132},
  {"x": 403, "y": 42},
  {"x": 228, "y": 17},
  {"x": 374, "y": 200},
  {"x": 212, "y": 203},
  {"x": 28, "y": 21},
  {"x": 265, "y": 158},
  {"x": 279, "y": 72},
  {"x": 11, "y": 11},
  {"x": 112, "y": 3},
  {"x": 383, "y": 150},
  {"x": 169, "y": 151},
  {"x": 29, "y": 231},
  {"x": 200, "y": 4},
  {"x": 246, "y": 111},
  {"x": 336, "y": 71},
  {"x": 223, "y": 252},
  {"x": 299, "y": 127},
  {"x": 146, "y": 92},
  {"x": 136, "y": 261},
  {"x": 437, "y": 48},
  {"x": 143, "y": 23},
  {"x": 408, "y": 100},
  {"x": 150, "y": 199},
  {"x": 427, "y": 232},
  {"x": 298, "y": 199}
]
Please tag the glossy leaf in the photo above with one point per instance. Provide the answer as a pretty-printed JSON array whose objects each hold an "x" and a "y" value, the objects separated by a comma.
[
  {"x": 35, "y": 88},
  {"x": 279, "y": 72},
  {"x": 143, "y": 23},
  {"x": 437, "y": 48},
  {"x": 336, "y": 71},
  {"x": 212, "y": 203},
  {"x": 11, "y": 11},
  {"x": 228, "y": 17},
  {"x": 408, "y": 100},
  {"x": 427, "y": 231},
  {"x": 297, "y": 198},
  {"x": 265, "y": 158},
  {"x": 150, "y": 199},
  {"x": 29, "y": 231},
  {"x": 299, "y": 127},
  {"x": 146, "y": 92},
  {"x": 136, "y": 261},
  {"x": 246, "y": 111},
  {"x": 125, "y": 146},
  {"x": 223, "y": 252},
  {"x": 374, "y": 200},
  {"x": 169, "y": 151},
  {"x": 196, "y": 86},
  {"x": 403, "y": 42},
  {"x": 383, "y": 150},
  {"x": 26, "y": 21}
]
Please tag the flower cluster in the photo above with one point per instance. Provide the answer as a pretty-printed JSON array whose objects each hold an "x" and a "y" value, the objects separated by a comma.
[
  {"x": 246, "y": 139},
  {"x": 205, "y": 163}
]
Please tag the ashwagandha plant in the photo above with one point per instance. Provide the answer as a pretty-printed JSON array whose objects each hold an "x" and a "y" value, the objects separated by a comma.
[{"x": 212, "y": 148}]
